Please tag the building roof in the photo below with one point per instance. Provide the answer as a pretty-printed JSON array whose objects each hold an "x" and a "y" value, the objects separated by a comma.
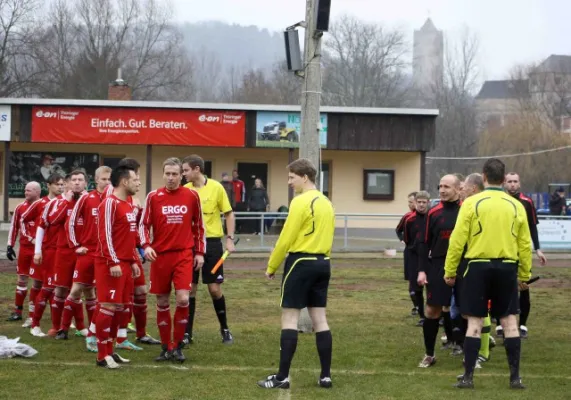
[
  {"x": 428, "y": 26},
  {"x": 215, "y": 106},
  {"x": 559, "y": 64},
  {"x": 507, "y": 89}
]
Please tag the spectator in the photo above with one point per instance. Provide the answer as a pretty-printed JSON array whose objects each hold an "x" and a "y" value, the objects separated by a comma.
[
  {"x": 229, "y": 187},
  {"x": 557, "y": 204},
  {"x": 239, "y": 198},
  {"x": 258, "y": 201}
]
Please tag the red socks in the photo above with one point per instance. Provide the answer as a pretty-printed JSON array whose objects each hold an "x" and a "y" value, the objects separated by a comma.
[
  {"x": 73, "y": 308},
  {"x": 40, "y": 305},
  {"x": 34, "y": 292},
  {"x": 21, "y": 292},
  {"x": 180, "y": 321},
  {"x": 90, "y": 306},
  {"x": 164, "y": 322},
  {"x": 104, "y": 320},
  {"x": 124, "y": 319},
  {"x": 57, "y": 310},
  {"x": 140, "y": 314}
]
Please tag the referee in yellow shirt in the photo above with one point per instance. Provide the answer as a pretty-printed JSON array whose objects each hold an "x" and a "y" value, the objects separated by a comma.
[
  {"x": 307, "y": 236},
  {"x": 495, "y": 230},
  {"x": 214, "y": 201}
]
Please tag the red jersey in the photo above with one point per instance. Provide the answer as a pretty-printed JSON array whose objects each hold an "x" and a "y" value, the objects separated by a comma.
[
  {"x": 239, "y": 191},
  {"x": 117, "y": 231},
  {"x": 50, "y": 233},
  {"x": 33, "y": 215},
  {"x": 86, "y": 209},
  {"x": 170, "y": 214},
  {"x": 58, "y": 217},
  {"x": 16, "y": 226}
]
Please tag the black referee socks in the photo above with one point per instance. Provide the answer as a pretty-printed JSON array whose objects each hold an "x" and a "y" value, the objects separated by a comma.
[
  {"x": 324, "y": 342},
  {"x": 191, "y": 311},
  {"x": 430, "y": 331},
  {"x": 448, "y": 326},
  {"x": 288, "y": 344},
  {"x": 471, "y": 349},
  {"x": 513, "y": 350},
  {"x": 220, "y": 308}
]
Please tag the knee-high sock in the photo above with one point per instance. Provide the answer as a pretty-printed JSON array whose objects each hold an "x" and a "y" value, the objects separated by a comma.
[
  {"x": 41, "y": 303},
  {"x": 471, "y": 347},
  {"x": 513, "y": 350},
  {"x": 90, "y": 307},
  {"x": 191, "y": 312},
  {"x": 430, "y": 331},
  {"x": 288, "y": 345},
  {"x": 34, "y": 291},
  {"x": 448, "y": 326},
  {"x": 124, "y": 319},
  {"x": 220, "y": 308},
  {"x": 104, "y": 320},
  {"x": 180, "y": 323},
  {"x": 420, "y": 302},
  {"x": 20, "y": 296},
  {"x": 114, "y": 329},
  {"x": 140, "y": 314},
  {"x": 57, "y": 310},
  {"x": 164, "y": 322},
  {"x": 92, "y": 326},
  {"x": 324, "y": 342}
]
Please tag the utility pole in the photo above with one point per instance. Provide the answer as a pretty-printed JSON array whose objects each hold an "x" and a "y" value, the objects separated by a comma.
[{"x": 309, "y": 146}]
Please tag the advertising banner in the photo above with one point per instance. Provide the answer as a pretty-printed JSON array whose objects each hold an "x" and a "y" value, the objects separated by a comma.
[
  {"x": 554, "y": 233},
  {"x": 282, "y": 129},
  {"x": 110, "y": 125},
  {"x": 35, "y": 166},
  {"x": 5, "y": 123}
]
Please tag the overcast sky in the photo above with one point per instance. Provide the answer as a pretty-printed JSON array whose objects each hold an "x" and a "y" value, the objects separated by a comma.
[{"x": 510, "y": 31}]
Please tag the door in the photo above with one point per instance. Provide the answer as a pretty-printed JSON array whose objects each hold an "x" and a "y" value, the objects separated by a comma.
[{"x": 249, "y": 172}]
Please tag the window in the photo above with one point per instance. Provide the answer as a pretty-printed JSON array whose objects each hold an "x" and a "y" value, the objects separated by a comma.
[
  {"x": 111, "y": 161},
  {"x": 378, "y": 184},
  {"x": 325, "y": 179}
]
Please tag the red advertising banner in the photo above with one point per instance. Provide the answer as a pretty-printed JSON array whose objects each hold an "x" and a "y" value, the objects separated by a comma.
[{"x": 110, "y": 125}]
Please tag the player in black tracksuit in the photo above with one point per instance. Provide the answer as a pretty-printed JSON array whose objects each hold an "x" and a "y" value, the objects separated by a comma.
[
  {"x": 414, "y": 230},
  {"x": 513, "y": 186},
  {"x": 400, "y": 234},
  {"x": 432, "y": 255}
]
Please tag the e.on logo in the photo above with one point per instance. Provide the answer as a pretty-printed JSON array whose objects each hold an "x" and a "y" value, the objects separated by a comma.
[
  {"x": 209, "y": 118},
  {"x": 46, "y": 114}
]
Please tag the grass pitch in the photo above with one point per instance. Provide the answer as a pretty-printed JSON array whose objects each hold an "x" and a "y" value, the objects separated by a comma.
[{"x": 375, "y": 356}]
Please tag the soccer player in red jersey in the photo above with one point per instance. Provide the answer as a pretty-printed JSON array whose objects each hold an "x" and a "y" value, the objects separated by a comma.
[
  {"x": 116, "y": 264},
  {"x": 174, "y": 252},
  {"x": 44, "y": 252},
  {"x": 28, "y": 227},
  {"x": 84, "y": 243},
  {"x": 65, "y": 257},
  {"x": 32, "y": 193}
]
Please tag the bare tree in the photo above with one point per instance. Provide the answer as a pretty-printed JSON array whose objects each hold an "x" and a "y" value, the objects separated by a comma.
[
  {"x": 17, "y": 66},
  {"x": 452, "y": 95},
  {"x": 84, "y": 42},
  {"x": 286, "y": 84},
  {"x": 363, "y": 64}
]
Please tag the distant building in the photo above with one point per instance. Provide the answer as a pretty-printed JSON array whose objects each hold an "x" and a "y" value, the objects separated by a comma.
[
  {"x": 548, "y": 88},
  {"x": 428, "y": 57}
]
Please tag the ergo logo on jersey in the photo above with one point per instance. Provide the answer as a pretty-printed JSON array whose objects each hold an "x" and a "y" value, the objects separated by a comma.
[
  {"x": 46, "y": 114},
  {"x": 168, "y": 210},
  {"x": 209, "y": 118}
]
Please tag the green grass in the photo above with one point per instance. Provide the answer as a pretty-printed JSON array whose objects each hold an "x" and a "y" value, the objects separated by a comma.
[{"x": 376, "y": 348}]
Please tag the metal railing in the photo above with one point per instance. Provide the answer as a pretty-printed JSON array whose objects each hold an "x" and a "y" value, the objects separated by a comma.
[{"x": 363, "y": 232}]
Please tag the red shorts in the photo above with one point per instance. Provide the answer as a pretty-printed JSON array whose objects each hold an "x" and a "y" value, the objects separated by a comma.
[
  {"x": 173, "y": 268},
  {"x": 25, "y": 260},
  {"x": 110, "y": 289},
  {"x": 85, "y": 269},
  {"x": 140, "y": 281},
  {"x": 48, "y": 267},
  {"x": 64, "y": 266}
]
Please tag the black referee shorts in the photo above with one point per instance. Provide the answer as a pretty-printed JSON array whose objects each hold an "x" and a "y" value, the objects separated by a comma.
[
  {"x": 438, "y": 293},
  {"x": 412, "y": 272},
  {"x": 305, "y": 281},
  {"x": 214, "y": 251},
  {"x": 494, "y": 280}
]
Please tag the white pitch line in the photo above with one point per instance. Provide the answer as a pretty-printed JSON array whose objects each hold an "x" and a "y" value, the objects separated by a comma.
[{"x": 215, "y": 368}]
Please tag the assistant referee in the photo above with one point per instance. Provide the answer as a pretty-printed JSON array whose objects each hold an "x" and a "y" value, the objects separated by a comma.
[
  {"x": 307, "y": 236},
  {"x": 494, "y": 228}
]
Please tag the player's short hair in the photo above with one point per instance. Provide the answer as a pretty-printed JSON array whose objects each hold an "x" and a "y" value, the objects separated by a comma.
[
  {"x": 423, "y": 194},
  {"x": 173, "y": 162},
  {"x": 77, "y": 172},
  {"x": 302, "y": 167},
  {"x": 512, "y": 173},
  {"x": 67, "y": 177},
  {"x": 495, "y": 171},
  {"x": 193, "y": 161},
  {"x": 412, "y": 194},
  {"x": 460, "y": 177},
  {"x": 54, "y": 178},
  {"x": 119, "y": 173},
  {"x": 104, "y": 169},
  {"x": 476, "y": 180},
  {"x": 131, "y": 163}
]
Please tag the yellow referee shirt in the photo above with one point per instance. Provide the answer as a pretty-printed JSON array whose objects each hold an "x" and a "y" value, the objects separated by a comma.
[
  {"x": 309, "y": 228},
  {"x": 213, "y": 200},
  {"x": 493, "y": 225}
]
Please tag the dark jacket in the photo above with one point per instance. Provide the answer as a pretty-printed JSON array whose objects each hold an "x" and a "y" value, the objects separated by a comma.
[
  {"x": 557, "y": 204},
  {"x": 258, "y": 199},
  {"x": 229, "y": 187}
]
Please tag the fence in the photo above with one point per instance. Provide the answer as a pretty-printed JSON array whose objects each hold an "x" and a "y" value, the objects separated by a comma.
[{"x": 357, "y": 232}]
